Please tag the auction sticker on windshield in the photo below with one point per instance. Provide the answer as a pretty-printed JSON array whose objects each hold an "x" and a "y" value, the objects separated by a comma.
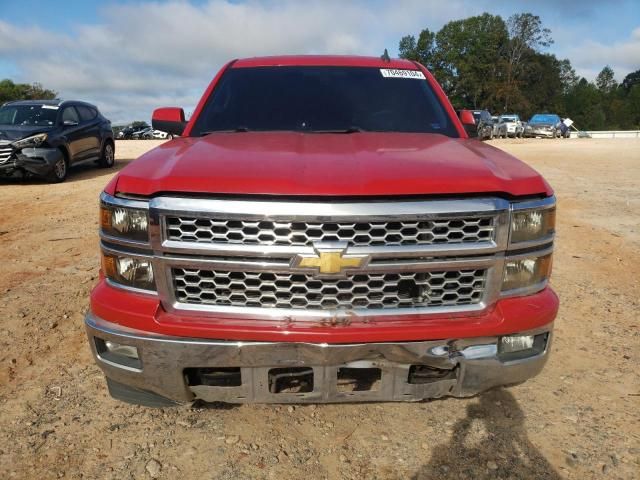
[{"x": 395, "y": 73}]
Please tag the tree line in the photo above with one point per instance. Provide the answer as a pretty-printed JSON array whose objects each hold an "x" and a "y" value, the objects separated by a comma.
[
  {"x": 485, "y": 62},
  {"x": 23, "y": 91}
]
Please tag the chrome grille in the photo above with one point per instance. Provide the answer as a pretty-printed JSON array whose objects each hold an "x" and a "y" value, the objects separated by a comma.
[
  {"x": 307, "y": 292},
  {"x": 5, "y": 152},
  {"x": 303, "y": 233}
]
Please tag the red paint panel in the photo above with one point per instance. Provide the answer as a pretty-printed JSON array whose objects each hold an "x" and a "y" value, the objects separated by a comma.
[
  {"x": 142, "y": 312},
  {"x": 324, "y": 61},
  {"x": 168, "y": 114},
  {"x": 304, "y": 164}
]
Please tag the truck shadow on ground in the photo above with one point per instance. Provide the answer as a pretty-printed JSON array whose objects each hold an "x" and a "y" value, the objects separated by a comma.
[{"x": 490, "y": 442}]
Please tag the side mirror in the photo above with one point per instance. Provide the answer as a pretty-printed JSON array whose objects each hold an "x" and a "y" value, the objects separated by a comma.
[
  {"x": 169, "y": 119},
  {"x": 468, "y": 122}
]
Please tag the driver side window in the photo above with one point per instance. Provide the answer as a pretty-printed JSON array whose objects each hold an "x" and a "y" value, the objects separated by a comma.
[{"x": 69, "y": 114}]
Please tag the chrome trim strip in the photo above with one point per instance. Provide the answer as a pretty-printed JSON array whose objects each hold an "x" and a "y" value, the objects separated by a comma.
[
  {"x": 120, "y": 286},
  {"x": 123, "y": 202},
  {"x": 124, "y": 241},
  {"x": 321, "y": 211},
  {"x": 237, "y": 250},
  {"x": 537, "y": 204}
]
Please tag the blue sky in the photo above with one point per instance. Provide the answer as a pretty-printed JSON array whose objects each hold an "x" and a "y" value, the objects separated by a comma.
[{"x": 131, "y": 56}]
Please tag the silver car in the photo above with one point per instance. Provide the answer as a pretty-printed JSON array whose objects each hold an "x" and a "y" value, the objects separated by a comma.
[{"x": 509, "y": 125}]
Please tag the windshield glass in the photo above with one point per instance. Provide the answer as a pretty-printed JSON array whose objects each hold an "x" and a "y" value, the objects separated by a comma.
[
  {"x": 544, "y": 118},
  {"x": 509, "y": 118},
  {"x": 29, "y": 115},
  {"x": 322, "y": 99}
]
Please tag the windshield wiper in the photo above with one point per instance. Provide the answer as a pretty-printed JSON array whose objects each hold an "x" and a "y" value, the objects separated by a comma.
[
  {"x": 231, "y": 130},
  {"x": 351, "y": 129}
]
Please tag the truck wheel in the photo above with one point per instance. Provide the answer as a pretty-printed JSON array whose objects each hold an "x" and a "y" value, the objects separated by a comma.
[
  {"x": 108, "y": 156},
  {"x": 60, "y": 169},
  {"x": 135, "y": 396}
]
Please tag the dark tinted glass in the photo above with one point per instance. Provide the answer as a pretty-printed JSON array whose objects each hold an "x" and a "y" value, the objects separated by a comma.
[
  {"x": 37, "y": 115},
  {"x": 86, "y": 113},
  {"x": 322, "y": 99},
  {"x": 69, "y": 114}
]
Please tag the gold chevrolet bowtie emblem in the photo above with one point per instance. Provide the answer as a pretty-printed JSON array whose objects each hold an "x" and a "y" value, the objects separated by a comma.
[{"x": 331, "y": 260}]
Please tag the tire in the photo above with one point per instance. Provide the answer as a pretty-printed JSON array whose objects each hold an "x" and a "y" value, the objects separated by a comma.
[
  {"x": 60, "y": 170},
  {"x": 135, "y": 396},
  {"x": 108, "y": 155},
  {"x": 169, "y": 137}
]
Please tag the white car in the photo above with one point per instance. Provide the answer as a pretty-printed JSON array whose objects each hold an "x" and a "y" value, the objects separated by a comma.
[
  {"x": 159, "y": 134},
  {"x": 510, "y": 126}
]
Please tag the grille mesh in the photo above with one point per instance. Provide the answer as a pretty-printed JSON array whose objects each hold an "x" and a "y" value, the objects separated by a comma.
[
  {"x": 301, "y": 291},
  {"x": 267, "y": 232},
  {"x": 5, "y": 152}
]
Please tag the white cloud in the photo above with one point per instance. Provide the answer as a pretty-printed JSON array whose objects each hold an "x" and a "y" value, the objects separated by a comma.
[
  {"x": 589, "y": 57},
  {"x": 137, "y": 58}
]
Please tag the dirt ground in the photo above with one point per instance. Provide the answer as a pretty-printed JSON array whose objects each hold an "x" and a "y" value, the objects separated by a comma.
[{"x": 579, "y": 419}]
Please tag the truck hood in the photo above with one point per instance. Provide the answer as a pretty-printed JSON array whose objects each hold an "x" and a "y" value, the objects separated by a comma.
[
  {"x": 326, "y": 164},
  {"x": 17, "y": 132}
]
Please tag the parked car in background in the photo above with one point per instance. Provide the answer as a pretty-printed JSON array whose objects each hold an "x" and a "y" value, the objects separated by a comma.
[
  {"x": 484, "y": 124},
  {"x": 128, "y": 132},
  {"x": 45, "y": 137},
  {"x": 544, "y": 125},
  {"x": 143, "y": 134},
  {"x": 494, "y": 120},
  {"x": 510, "y": 126},
  {"x": 160, "y": 135}
]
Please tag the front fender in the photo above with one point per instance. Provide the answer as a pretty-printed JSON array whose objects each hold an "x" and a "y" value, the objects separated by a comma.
[{"x": 39, "y": 161}]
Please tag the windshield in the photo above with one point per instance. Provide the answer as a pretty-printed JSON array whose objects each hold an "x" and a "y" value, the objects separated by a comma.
[
  {"x": 508, "y": 119},
  {"x": 546, "y": 118},
  {"x": 29, "y": 115},
  {"x": 322, "y": 99}
]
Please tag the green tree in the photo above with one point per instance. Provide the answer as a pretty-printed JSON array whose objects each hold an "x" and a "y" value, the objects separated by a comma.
[
  {"x": 466, "y": 59},
  {"x": 605, "y": 81},
  {"x": 23, "y": 91},
  {"x": 630, "y": 80},
  {"x": 421, "y": 50},
  {"x": 526, "y": 34}
]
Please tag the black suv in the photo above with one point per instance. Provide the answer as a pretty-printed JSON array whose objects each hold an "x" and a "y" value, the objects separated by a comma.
[{"x": 45, "y": 137}]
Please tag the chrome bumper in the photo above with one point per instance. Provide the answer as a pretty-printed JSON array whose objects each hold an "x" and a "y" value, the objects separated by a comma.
[{"x": 474, "y": 364}]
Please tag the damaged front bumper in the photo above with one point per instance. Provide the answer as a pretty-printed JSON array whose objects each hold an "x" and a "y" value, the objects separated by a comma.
[
  {"x": 183, "y": 369},
  {"x": 37, "y": 161}
]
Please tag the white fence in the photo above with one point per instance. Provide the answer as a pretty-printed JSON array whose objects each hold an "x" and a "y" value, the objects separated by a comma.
[{"x": 607, "y": 134}]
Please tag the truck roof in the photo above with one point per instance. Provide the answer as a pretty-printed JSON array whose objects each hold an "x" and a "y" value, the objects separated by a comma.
[{"x": 324, "y": 61}]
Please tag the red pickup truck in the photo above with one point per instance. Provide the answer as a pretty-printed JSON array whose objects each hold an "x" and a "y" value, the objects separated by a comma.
[{"x": 322, "y": 231}]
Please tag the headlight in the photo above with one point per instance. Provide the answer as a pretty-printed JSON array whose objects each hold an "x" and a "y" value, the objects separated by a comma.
[
  {"x": 124, "y": 222},
  {"x": 129, "y": 271},
  {"x": 537, "y": 224},
  {"x": 526, "y": 274},
  {"x": 33, "y": 141}
]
